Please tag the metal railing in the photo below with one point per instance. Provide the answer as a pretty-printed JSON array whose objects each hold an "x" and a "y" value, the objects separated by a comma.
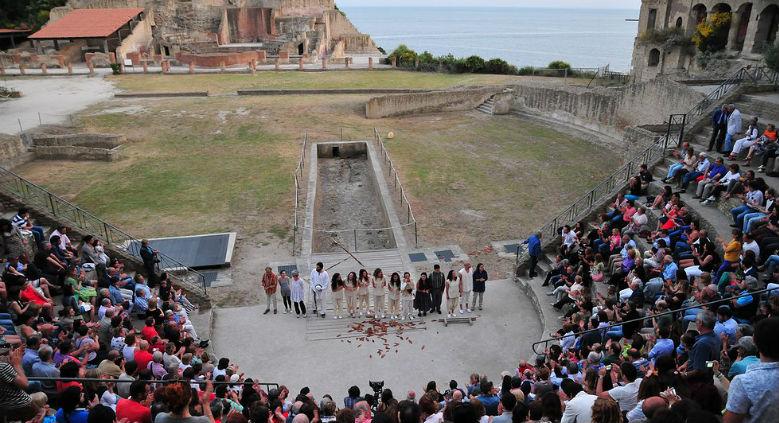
[
  {"x": 35, "y": 196},
  {"x": 606, "y": 189},
  {"x": 411, "y": 221},
  {"x": 605, "y": 329},
  {"x": 747, "y": 73},
  {"x": 266, "y": 385},
  {"x": 298, "y": 176}
]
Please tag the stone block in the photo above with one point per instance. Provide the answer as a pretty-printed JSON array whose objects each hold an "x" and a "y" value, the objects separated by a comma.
[
  {"x": 370, "y": 63},
  {"x": 300, "y": 63},
  {"x": 44, "y": 69},
  {"x": 262, "y": 56},
  {"x": 284, "y": 57},
  {"x": 277, "y": 63}
]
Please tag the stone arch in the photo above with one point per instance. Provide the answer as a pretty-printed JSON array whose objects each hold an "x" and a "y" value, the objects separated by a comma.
[
  {"x": 654, "y": 57},
  {"x": 679, "y": 22},
  {"x": 767, "y": 24},
  {"x": 740, "y": 26},
  {"x": 699, "y": 13}
]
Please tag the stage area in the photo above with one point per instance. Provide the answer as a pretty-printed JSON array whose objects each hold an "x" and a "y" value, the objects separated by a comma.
[{"x": 330, "y": 355}]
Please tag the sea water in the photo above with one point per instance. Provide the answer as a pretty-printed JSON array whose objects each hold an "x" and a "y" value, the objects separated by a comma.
[{"x": 521, "y": 36}]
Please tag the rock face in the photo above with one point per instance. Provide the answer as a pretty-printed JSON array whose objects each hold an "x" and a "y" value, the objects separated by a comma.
[{"x": 311, "y": 28}]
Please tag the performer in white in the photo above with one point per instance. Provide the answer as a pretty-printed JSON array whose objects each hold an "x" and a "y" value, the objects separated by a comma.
[
  {"x": 320, "y": 281},
  {"x": 466, "y": 278}
]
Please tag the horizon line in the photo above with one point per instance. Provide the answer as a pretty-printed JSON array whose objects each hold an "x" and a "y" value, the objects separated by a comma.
[{"x": 484, "y": 7}]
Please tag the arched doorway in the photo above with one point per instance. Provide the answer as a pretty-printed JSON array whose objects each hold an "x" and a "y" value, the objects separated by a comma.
[
  {"x": 741, "y": 23},
  {"x": 679, "y": 22},
  {"x": 721, "y": 19},
  {"x": 767, "y": 24},
  {"x": 654, "y": 57},
  {"x": 697, "y": 16}
]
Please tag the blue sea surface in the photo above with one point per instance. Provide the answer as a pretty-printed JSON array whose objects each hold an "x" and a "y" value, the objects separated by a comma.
[{"x": 521, "y": 36}]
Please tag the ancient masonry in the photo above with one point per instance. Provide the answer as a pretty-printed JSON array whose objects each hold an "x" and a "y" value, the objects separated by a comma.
[
  {"x": 312, "y": 29},
  {"x": 664, "y": 47}
]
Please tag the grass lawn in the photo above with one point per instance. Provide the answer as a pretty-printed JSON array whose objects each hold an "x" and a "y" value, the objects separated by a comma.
[
  {"x": 229, "y": 83},
  {"x": 225, "y": 164}
]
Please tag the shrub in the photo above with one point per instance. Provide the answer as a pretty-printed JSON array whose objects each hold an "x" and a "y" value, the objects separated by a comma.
[
  {"x": 499, "y": 66},
  {"x": 526, "y": 70},
  {"x": 6, "y": 92},
  {"x": 404, "y": 55},
  {"x": 712, "y": 33},
  {"x": 116, "y": 68},
  {"x": 559, "y": 64},
  {"x": 771, "y": 57}
]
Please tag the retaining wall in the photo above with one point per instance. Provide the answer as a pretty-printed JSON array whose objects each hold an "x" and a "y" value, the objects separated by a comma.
[
  {"x": 76, "y": 153},
  {"x": 215, "y": 60},
  {"x": 13, "y": 152},
  {"x": 106, "y": 141},
  {"x": 434, "y": 101}
]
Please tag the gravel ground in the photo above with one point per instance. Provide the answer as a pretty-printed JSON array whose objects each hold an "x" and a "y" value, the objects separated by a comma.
[{"x": 55, "y": 98}]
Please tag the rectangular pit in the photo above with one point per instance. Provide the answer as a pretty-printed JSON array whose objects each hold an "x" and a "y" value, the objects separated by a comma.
[{"x": 348, "y": 206}]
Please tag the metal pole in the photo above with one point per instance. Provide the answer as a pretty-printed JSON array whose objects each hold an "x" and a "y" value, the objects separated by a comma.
[
  {"x": 355, "y": 240},
  {"x": 40, "y": 121},
  {"x": 416, "y": 235},
  {"x": 20, "y": 124},
  {"x": 51, "y": 202}
]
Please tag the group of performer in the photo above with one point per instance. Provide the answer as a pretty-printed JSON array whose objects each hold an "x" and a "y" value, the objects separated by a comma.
[{"x": 375, "y": 295}]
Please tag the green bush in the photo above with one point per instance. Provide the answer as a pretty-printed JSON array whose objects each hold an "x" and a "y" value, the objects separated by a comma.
[
  {"x": 500, "y": 66},
  {"x": 404, "y": 55},
  {"x": 559, "y": 64},
  {"x": 474, "y": 64},
  {"x": 526, "y": 70},
  {"x": 116, "y": 68},
  {"x": 771, "y": 57}
]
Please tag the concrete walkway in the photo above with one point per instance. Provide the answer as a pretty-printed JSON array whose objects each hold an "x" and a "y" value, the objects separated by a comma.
[
  {"x": 280, "y": 348},
  {"x": 54, "y": 98}
]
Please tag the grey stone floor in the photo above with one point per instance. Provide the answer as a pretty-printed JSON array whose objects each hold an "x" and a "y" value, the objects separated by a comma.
[{"x": 280, "y": 348}]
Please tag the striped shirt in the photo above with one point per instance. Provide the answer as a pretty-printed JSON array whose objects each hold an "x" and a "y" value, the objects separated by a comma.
[{"x": 19, "y": 221}]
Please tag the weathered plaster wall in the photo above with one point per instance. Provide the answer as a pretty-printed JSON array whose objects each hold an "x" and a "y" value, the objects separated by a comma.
[
  {"x": 434, "y": 101},
  {"x": 139, "y": 40},
  {"x": 12, "y": 151},
  {"x": 216, "y": 60}
]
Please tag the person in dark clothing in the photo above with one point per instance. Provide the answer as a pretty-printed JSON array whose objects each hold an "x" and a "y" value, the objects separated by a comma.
[
  {"x": 437, "y": 279},
  {"x": 479, "y": 284},
  {"x": 719, "y": 127},
  {"x": 534, "y": 249},
  {"x": 150, "y": 259}
]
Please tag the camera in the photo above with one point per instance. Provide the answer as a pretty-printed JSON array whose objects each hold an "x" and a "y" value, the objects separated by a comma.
[
  {"x": 377, "y": 387},
  {"x": 710, "y": 364}
]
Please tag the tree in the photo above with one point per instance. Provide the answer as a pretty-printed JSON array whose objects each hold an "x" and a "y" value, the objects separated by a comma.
[
  {"x": 474, "y": 64},
  {"x": 559, "y": 64}
]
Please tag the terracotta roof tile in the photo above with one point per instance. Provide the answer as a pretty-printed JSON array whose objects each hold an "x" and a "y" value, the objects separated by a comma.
[{"x": 87, "y": 23}]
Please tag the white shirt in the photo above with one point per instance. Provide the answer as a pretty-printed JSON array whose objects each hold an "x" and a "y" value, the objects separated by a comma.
[
  {"x": 627, "y": 395},
  {"x": 467, "y": 279},
  {"x": 319, "y": 279},
  {"x": 579, "y": 408},
  {"x": 730, "y": 176},
  {"x": 435, "y": 418},
  {"x": 625, "y": 294},
  {"x": 569, "y": 238},
  {"x": 752, "y": 246},
  {"x": 734, "y": 122}
]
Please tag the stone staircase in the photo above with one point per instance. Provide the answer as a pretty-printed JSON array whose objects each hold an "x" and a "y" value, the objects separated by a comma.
[{"x": 488, "y": 106}]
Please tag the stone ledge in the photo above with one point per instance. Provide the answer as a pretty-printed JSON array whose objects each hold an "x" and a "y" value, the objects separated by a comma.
[
  {"x": 330, "y": 91},
  {"x": 163, "y": 94}
]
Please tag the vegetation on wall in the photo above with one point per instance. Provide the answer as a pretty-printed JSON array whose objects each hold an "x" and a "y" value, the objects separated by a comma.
[
  {"x": 668, "y": 38},
  {"x": 771, "y": 57},
  {"x": 711, "y": 35},
  {"x": 26, "y": 14}
]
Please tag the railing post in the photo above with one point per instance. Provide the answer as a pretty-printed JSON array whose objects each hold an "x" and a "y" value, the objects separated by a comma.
[
  {"x": 416, "y": 235},
  {"x": 408, "y": 213},
  {"x": 107, "y": 233},
  {"x": 51, "y": 203},
  {"x": 355, "y": 240}
]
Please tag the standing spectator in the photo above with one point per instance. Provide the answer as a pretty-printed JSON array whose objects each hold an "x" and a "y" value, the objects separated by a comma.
[
  {"x": 298, "y": 291},
  {"x": 466, "y": 281},
  {"x": 285, "y": 291},
  {"x": 479, "y": 285},
  {"x": 133, "y": 409},
  {"x": 626, "y": 394},
  {"x": 753, "y": 396},
  {"x": 150, "y": 259},
  {"x": 454, "y": 288},
  {"x": 437, "y": 284},
  {"x": 353, "y": 398},
  {"x": 719, "y": 126},
  {"x": 320, "y": 279},
  {"x": 734, "y": 127},
  {"x": 534, "y": 250},
  {"x": 269, "y": 285}
]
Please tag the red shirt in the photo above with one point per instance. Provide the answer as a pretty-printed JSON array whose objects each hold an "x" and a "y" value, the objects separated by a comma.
[
  {"x": 148, "y": 332},
  {"x": 132, "y": 411},
  {"x": 142, "y": 359}
]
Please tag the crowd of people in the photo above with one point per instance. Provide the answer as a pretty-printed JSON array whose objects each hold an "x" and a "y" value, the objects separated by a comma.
[
  {"x": 668, "y": 321},
  {"x": 375, "y": 295}
]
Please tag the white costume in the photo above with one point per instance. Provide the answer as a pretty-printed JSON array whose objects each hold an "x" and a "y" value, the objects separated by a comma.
[
  {"x": 746, "y": 142},
  {"x": 320, "y": 284}
]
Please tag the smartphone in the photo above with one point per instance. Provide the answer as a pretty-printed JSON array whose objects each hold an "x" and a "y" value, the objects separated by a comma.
[
  {"x": 710, "y": 364},
  {"x": 608, "y": 368}
]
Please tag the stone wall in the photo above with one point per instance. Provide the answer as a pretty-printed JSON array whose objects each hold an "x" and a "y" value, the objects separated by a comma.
[
  {"x": 13, "y": 152},
  {"x": 215, "y": 60},
  {"x": 434, "y": 101},
  {"x": 607, "y": 110},
  {"x": 76, "y": 153},
  {"x": 81, "y": 140},
  {"x": 138, "y": 41}
]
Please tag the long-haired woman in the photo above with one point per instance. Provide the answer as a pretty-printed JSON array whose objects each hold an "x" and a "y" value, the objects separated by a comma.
[
  {"x": 379, "y": 285},
  {"x": 423, "y": 294},
  {"x": 393, "y": 296},
  {"x": 363, "y": 287},
  {"x": 351, "y": 293},
  {"x": 407, "y": 296},
  {"x": 339, "y": 287},
  {"x": 454, "y": 288}
]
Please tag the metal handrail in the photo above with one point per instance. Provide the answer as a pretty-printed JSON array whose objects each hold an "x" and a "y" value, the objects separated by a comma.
[
  {"x": 641, "y": 319},
  {"x": 755, "y": 75},
  {"x": 30, "y": 193},
  {"x": 391, "y": 171},
  {"x": 268, "y": 385},
  {"x": 296, "y": 195}
]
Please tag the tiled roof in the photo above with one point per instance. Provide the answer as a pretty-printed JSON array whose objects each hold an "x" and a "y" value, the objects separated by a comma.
[{"x": 87, "y": 23}]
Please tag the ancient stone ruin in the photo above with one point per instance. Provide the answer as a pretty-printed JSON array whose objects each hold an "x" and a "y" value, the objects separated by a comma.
[{"x": 312, "y": 29}]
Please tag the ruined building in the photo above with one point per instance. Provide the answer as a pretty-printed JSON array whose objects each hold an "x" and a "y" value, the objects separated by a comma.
[
  {"x": 669, "y": 36},
  {"x": 313, "y": 29}
]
